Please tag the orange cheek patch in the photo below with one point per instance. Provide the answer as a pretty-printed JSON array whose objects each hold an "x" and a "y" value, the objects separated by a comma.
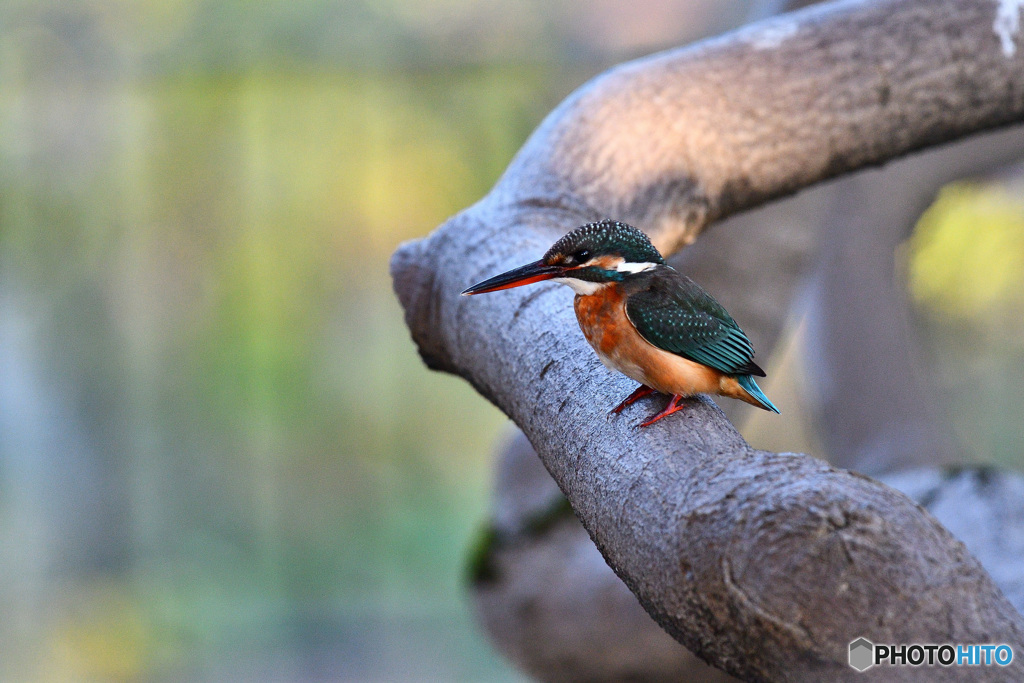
[{"x": 608, "y": 262}]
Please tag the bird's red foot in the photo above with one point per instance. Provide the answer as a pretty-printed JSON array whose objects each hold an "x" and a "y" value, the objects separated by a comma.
[
  {"x": 674, "y": 405},
  {"x": 641, "y": 391}
]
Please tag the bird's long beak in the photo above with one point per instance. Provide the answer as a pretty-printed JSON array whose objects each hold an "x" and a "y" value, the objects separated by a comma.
[{"x": 517, "y": 277}]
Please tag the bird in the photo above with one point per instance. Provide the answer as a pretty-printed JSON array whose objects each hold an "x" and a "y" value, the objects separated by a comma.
[{"x": 644, "y": 318}]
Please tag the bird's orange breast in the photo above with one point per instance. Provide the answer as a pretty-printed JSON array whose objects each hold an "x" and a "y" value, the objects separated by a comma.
[{"x": 602, "y": 318}]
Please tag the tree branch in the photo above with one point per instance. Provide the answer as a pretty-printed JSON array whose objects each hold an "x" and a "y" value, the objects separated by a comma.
[
  {"x": 764, "y": 564},
  {"x": 549, "y": 601},
  {"x": 553, "y": 606},
  {"x": 680, "y": 139},
  {"x": 562, "y": 616}
]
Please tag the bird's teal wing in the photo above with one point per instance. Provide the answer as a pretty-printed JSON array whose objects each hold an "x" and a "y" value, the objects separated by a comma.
[{"x": 675, "y": 314}]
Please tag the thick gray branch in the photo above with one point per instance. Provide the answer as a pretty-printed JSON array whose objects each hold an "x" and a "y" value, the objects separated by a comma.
[
  {"x": 553, "y": 606},
  {"x": 561, "y": 615},
  {"x": 764, "y": 564},
  {"x": 549, "y": 601},
  {"x": 680, "y": 139}
]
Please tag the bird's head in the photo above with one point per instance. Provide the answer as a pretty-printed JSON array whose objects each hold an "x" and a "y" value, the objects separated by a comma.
[{"x": 587, "y": 259}]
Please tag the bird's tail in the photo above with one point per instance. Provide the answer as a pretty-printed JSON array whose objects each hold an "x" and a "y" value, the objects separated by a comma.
[{"x": 750, "y": 386}]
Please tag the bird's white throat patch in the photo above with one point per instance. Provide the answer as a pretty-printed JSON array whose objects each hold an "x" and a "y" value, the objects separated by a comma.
[
  {"x": 581, "y": 287},
  {"x": 616, "y": 263}
]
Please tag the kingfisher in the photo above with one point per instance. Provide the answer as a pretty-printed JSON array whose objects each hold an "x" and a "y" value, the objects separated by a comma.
[{"x": 644, "y": 318}]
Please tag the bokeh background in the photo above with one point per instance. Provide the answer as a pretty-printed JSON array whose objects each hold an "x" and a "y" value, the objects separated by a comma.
[{"x": 220, "y": 456}]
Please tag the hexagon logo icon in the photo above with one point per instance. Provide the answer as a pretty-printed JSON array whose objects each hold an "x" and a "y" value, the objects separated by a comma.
[{"x": 862, "y": 654}]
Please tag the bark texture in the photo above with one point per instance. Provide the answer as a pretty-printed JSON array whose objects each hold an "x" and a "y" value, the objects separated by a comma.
[
  {"x": 766, "y": 565},
  {"x": 550, "y": 602},
  {"x": 677, "y": 140},
  {"x": 553, "y": 606}
]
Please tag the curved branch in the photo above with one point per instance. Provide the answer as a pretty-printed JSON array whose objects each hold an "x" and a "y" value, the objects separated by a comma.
[
  {"x": 544, "y": 594},
  {"x": 766, "y": 565},
  {"x": 553, "y": 606},
  {"x": 560, "y": 615},
  {"x": 680, "y": 139},
  {"x": 549, "y": 601}
]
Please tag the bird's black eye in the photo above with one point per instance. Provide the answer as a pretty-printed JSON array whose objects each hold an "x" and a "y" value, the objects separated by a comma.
[{"x": 582, "y": 256}]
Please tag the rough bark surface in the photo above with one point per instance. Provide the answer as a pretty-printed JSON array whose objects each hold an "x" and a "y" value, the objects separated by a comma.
[
  {"x": 551, "y": 603},
  {"x": 764, "y": 564},
  {"x": 677, "y": 140},
  {"x": 554, "y": 607}
]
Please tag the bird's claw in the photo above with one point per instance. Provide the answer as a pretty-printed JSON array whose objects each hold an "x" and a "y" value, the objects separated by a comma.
[
  {"x": 674, "y": 406},
  {"x": 639, "y": 393}
]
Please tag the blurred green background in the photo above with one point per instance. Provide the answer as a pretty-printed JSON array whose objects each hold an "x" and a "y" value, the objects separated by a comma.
[{"x": 220, "y": 456}]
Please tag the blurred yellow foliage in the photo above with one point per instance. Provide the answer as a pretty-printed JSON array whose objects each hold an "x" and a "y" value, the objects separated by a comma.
[
  {"x": 966, "y": 257},
  {"x": 103, "y": 636}
]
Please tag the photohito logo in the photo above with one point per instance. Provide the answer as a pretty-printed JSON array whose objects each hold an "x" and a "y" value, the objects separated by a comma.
[{"x": 864, "y": 654}]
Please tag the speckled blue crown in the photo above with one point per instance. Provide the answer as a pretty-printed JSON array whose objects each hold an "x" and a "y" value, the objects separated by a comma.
[{"x": 607, "y": 237}]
